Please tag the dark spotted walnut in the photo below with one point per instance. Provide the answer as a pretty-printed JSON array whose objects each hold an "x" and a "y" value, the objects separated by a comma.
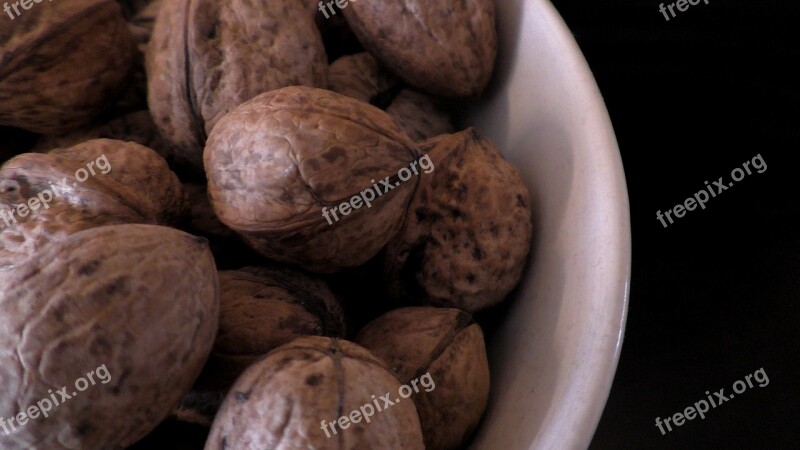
[
  {"x": 444, "y": 47},
  {"x": 261, "y": 308},
  {"x": 62, "y": 63},
  {"x": 276, "y": 161},
  {"x": 206, "y": 57},
  {"x": 130, "y": 184},
  {"x": 281, "y": 401},
  {"x": 140, "y": 299},
  {"x": 362, "y": 77},
  {"x": 467, "y": 234},
  {"x": 447, "y": 345}
]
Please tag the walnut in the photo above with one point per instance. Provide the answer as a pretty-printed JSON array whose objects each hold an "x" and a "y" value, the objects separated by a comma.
[
  {"x": 446, "y": 346},
  {"x": 446, "y": 48},
  {"x": 420, "y": 115},
  {"x": 282, "y": 161},
  {"x": 288, "y": 399},
  {"x": 468, "y": 230},
  {"x": 62, "y": 63},
  {"x": 362, "y": 77},
  {"x": 261, "y": 308},
  {"x": 43, "y": 199},
  {"x": 142, "y": 300},
  {"x": 205, "y": 57}
]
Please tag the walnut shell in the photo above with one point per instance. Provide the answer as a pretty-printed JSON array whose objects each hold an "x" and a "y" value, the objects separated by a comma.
[
  {"x": 275, "y": 162},
  {"x": 140, "y": 299},
  {"x": 420, "y": 115},
  {"x": 206, "y": 57},
  {"x": 447, "y": 48},
  {"x": 137, "y": 187},
  {"x": 446, "y": 346},
  {"x": 468, "y": 230},
  {"x": 62, "y": 63},
  {"x": 362, "y": 77},
  {"x": 262, "y": 308},
  {"x": 280, "y": 401}
]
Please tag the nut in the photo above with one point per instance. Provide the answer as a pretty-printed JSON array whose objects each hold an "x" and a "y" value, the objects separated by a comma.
[
  {"x": 137, "y": 186},
  {"x": 421, "y": 116},
  {"x": 62, "y": 64},
  {"x": 277, "y": 160},
  {"x": 448, "y": 346},
  {"x": 262, "y": 308},
  {"x": 468, "y": 229},
  {"x": 362, "y": 77},
  {"x": 280, "y": 401},
  {"x": 447, "y": 48},
  {"x": 206, "y": 57},
  {"x": 141, "y": 299}
]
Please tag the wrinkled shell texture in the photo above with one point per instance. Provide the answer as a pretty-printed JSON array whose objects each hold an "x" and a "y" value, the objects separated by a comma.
[
  {"x": 263, "y": 308},
  {"x": 449, "y": 346},
  {"x": 447, "y": 48},
  {"x": 141, "y": 299},
  {"x": 468, "y": 231},
  {"x": 206, "y": 57},
  {"x": 62, "y": 63},
  {"x": 279, "y": 402},
  {"x": 277, "y": 160},
  {"x": 139, "y": 188},
  {"x": 362, "y": 77}
]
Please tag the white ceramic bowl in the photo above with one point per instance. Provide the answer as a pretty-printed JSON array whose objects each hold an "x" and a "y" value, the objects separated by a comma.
[{"x": 554, "y": 356}]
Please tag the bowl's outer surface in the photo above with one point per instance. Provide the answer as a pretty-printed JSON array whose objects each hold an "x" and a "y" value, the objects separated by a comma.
[{"x": 554, "y": 356}]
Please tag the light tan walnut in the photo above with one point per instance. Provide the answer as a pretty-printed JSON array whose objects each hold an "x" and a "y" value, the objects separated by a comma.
[
  {"x": 142, "y": 300},
  {"x": 275, "y": 162},
  {"x": 206, "y": 57},
  {"x": 43, "y": 199},
  {"x": 280, "y": 402}
]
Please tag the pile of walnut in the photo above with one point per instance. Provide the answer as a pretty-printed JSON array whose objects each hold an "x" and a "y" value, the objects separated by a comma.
[{"x": 201, "y": 270}]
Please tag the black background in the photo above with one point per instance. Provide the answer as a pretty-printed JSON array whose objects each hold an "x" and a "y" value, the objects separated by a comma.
[{"x": 715, "y": 296}]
